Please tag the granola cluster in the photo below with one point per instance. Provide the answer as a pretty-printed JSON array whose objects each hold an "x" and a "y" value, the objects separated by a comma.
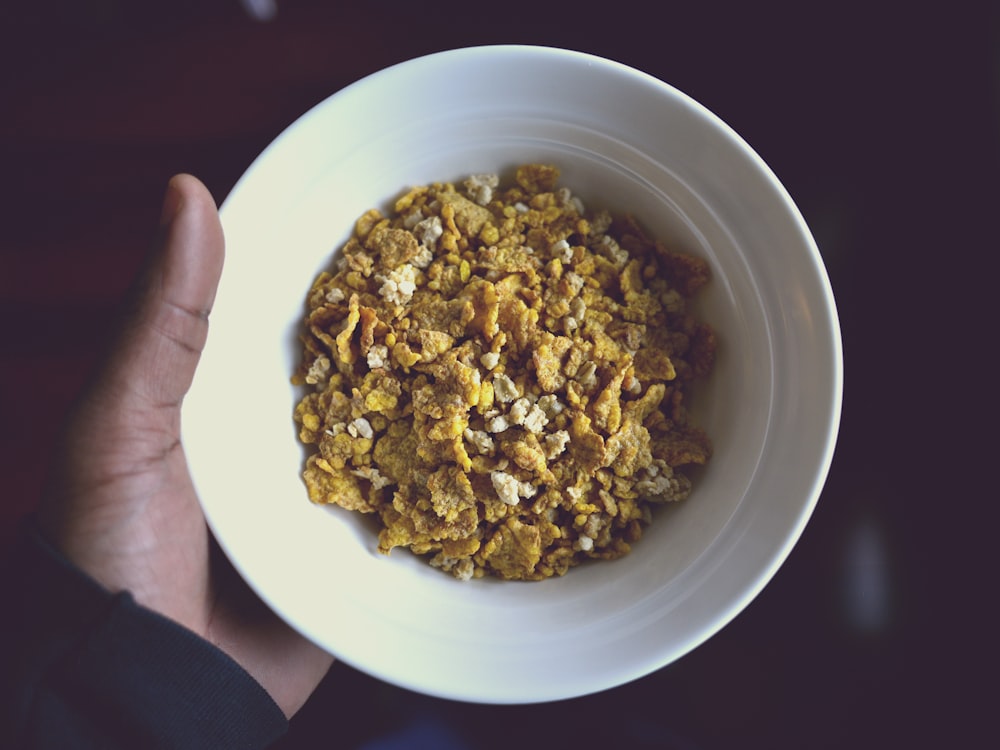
[{"x": 499, "y": 374}]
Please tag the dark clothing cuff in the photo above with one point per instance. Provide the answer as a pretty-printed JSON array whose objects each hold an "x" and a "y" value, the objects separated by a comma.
[{"x": 86, "y": 668}]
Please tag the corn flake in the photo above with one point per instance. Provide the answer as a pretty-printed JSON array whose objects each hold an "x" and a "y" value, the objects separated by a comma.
[{"x": 499, "y": 376}]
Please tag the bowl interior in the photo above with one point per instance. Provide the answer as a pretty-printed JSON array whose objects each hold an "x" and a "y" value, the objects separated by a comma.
[{"x": 771, "y": 405}]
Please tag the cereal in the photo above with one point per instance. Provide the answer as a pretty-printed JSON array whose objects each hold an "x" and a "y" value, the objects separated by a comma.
[{"x": 499, "y": 376}]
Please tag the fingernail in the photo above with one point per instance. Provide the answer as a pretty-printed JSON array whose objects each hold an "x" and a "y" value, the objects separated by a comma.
[{"x": 171, "y": 204}]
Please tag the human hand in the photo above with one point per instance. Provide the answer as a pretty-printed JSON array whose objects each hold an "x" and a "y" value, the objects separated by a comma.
[{"x": 122, "y": 505}]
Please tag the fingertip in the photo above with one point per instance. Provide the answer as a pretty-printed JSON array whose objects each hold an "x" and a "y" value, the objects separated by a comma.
[
  {"x": 186, "y": 193},
  {"x": 194, "y": 243},
  {"x": 190, "y": 187},
  {"x": 172, "y": 201}
]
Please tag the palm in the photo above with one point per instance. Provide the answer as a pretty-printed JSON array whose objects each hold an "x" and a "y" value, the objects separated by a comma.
[
  {"x": 123, "y": 506},
  {"x": 128, "y": 515}
]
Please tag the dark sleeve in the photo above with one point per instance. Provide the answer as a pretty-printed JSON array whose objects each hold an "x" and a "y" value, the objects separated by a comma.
[{"x": 83, "y": 668}]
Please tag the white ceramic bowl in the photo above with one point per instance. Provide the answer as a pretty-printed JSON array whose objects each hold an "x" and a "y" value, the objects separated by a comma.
[{"x": 623, "y": 140}]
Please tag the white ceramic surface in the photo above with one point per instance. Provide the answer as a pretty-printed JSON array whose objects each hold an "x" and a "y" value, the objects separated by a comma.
[{"x": 624, "y": 141}]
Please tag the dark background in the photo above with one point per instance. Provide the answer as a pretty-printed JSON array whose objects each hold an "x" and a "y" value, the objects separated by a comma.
[{"x": 881, "y": 120}]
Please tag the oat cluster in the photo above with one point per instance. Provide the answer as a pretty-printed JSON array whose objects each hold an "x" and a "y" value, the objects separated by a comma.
[{"x": 499, "y": 375}]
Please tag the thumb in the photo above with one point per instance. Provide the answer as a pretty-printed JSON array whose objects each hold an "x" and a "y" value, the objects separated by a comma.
[
  {"x": 153, "y": 363},
  {"x": 120, "y": 441}
]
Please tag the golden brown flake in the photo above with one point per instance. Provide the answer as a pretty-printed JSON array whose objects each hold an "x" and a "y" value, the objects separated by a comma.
[{"x": 499, "y": 376}]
